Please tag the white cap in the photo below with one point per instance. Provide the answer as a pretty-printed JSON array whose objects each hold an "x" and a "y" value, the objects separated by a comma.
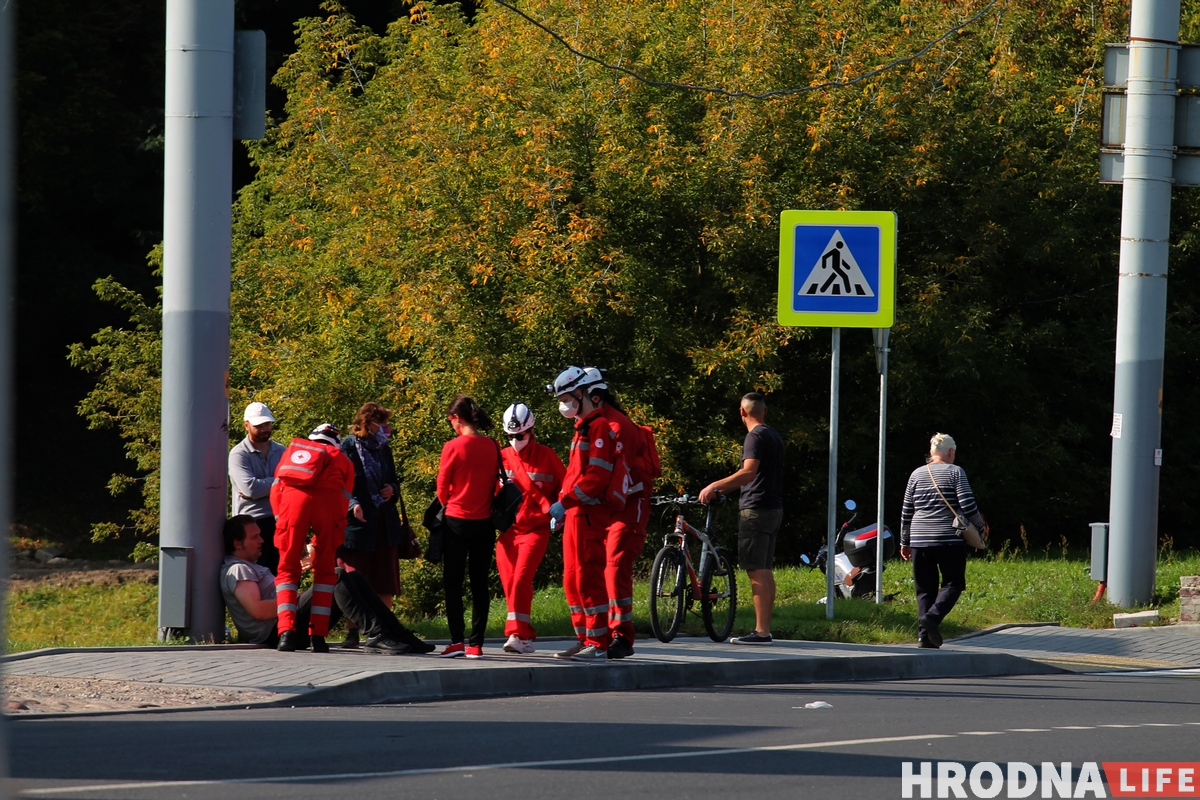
[{"x": 257, "y": 414}]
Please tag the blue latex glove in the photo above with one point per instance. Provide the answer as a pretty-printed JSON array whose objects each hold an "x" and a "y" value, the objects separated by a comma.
[{"x": 557, "y": 514}]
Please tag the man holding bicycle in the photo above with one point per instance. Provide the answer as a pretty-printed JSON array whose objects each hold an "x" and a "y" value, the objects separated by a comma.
[{"x": 760, "y": 510}]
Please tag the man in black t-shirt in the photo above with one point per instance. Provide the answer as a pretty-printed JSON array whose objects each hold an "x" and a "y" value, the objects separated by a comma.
[{"x": 760, "y": 510}]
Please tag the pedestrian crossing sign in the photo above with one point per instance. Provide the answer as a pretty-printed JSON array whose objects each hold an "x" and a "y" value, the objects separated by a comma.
[{"x": 837, "y": 269}]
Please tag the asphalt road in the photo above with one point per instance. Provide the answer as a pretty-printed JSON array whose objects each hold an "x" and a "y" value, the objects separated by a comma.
[{"x": 757, "y": 742}]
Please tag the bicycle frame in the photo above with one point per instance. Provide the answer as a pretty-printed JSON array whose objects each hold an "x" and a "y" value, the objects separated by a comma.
[{"x": 678, "y": 538}]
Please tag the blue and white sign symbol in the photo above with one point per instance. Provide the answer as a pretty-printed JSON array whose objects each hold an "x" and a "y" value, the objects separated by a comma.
[{"x": 836, "y": 269}]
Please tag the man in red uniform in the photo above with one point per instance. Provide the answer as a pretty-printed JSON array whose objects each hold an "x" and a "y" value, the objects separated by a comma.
[
  {"x": 313, "y": 482},
  {"x": 626, "y": 528},
  {"x": 539, "y": 472},
  {"x": 583, "y": 508}
]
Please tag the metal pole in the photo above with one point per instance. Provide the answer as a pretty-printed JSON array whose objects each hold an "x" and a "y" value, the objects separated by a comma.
[
  {"x": 835, "y": 379},
  {"x": 196, "y": 266},
  {"x": 1142, "y": 299},
  {"x": 8, "y": 26},
  {"x": 881, "y": 354}
]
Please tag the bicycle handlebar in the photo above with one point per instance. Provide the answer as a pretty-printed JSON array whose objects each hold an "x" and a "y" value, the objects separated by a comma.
[{"x": 684, "y": 500}]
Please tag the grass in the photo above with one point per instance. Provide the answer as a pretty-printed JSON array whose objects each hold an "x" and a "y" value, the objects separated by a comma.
[{"x": 1001, "y": 587}]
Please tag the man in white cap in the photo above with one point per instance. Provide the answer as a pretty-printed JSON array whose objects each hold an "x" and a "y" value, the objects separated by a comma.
[{"x": 252, "y": 464}]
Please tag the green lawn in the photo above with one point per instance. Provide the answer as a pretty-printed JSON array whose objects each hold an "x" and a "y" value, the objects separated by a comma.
[{"x": 1001, "y": 588}]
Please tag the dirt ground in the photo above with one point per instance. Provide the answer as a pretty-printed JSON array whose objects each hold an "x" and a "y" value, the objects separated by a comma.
[
  {"x": 27, "y": 694},
  {"x": 30, "y": 694},
  {"x": 25, "y": 573}
]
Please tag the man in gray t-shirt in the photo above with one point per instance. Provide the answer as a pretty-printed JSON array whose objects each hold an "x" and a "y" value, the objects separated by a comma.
[
  {"x": 252, "y": 463},
  {"x": 248, "y": 589}
]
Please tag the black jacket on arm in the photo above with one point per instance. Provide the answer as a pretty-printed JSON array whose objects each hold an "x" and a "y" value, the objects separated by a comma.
[{"x": 361, "y": 535}]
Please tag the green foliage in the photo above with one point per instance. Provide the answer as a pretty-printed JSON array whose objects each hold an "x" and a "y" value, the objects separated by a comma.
[
  {"x": 127, "y": 397},
  {"x": 465, "y": 207}
]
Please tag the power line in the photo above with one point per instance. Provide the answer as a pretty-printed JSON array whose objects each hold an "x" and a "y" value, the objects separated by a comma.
[{"x": 751, "y": 95}]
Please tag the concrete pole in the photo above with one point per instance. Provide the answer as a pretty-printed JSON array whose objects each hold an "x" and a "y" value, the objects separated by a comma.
[
  {"x": 881, "y": 354},
  {"x": 8, "y": 26},
  {"x": 835, "y": 385},
  {"x": 1142, "y": 299},
  {"x": 196, "y": 266}
]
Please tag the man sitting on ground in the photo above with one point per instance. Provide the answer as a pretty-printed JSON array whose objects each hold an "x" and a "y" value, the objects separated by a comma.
[{"x": 249, "y": 592}]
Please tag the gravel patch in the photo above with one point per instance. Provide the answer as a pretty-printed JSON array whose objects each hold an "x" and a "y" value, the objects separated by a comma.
[{"x": 31, "y": 694}]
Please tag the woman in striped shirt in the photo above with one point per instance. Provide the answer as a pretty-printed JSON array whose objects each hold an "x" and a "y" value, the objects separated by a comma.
[{"x": 931, "y": 537}]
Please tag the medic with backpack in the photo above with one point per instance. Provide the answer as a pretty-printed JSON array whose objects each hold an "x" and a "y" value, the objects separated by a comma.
[
  {"x": 313, "y": 482},
  {"x": 539, "y": 473},
  {"x": 594, "y": 488},
  {"x": 627, "y": 527}
]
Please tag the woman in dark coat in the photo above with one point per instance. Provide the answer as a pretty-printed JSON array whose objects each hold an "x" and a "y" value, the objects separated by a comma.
[{"x": 373, "y": 528}]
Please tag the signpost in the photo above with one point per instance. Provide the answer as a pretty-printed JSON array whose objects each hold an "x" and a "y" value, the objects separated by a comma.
[{"x": 837, "y": 269}]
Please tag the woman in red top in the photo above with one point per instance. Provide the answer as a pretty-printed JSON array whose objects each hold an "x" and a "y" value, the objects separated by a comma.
[
  {"x": 539, "y": 472},
  {"x": 466, "y": 483}
]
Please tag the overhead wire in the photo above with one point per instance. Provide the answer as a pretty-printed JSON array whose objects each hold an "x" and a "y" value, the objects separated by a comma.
[{"x": 838, "y": 84}]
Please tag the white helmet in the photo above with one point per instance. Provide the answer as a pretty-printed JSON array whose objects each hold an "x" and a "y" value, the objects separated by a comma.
[
  {"x": 517, "y": 418},
  {"x": 568, "y": 380},
  {"x": 595, "y": 378},
  {"x": 327, "y": 433}
]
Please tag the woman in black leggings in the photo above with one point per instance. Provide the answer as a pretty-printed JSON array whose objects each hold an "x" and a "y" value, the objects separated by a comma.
[{"x": 466, "y": 484}]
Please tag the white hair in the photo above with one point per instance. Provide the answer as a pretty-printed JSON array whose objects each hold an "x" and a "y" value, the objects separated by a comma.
[{"x": 941, "y": 443}]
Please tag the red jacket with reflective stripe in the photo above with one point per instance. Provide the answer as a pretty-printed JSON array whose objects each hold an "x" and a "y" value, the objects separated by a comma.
[
  {"x": 593, "y": 457},
  {"x": 539, "y": 472}
]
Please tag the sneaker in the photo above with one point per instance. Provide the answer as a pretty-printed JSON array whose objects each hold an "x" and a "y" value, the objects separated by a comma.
[
  {"x": 570, "y": 652},
  {"x": 753, "y": 637},
  {"x": 384, "y": 645},
  {"x": 474, "y": 651},
  {"x": 351, "y": 640},
  {"x": 620, "y": 648},
  {"x": 287, "y": 642},
  {"x": 932, "y": 628},
  {"x": 318, "y": 644},
  {"x": 513, "y": 645},
  {"x": 591, "y": 655},
  {"x": 453, "y": 650}
]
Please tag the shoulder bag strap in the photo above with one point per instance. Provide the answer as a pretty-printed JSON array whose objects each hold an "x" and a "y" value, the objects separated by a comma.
[
  {"x": 403, "y": 510},
  {"x": 957, "y": 518}
]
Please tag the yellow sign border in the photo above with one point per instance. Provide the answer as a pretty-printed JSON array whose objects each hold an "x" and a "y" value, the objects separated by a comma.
[{"x": 885, "y": 317}]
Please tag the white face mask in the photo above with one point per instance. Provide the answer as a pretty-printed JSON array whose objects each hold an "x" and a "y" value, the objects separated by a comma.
[
  {"x": 569, "y": 408},
  {"x": 519, "y": 444}
]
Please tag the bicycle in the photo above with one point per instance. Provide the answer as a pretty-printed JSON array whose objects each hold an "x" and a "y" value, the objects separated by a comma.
[{"x": 675, "y": 586}]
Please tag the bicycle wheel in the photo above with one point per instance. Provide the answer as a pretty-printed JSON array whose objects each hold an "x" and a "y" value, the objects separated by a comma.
[
  {"x": 668, "y": 581},
  {"x": 718, "y": 594}
]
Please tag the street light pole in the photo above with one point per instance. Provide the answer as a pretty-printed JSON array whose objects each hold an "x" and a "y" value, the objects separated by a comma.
[
  {"x": 197, "y": 238},
  {"x": 1149, "y": 153}
]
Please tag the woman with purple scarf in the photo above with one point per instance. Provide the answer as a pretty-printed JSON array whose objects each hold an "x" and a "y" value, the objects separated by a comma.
[{"x": 373, "y": 528}]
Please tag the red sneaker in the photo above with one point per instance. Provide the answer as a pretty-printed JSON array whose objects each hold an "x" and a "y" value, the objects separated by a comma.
[
  {"x": 474, "y": 651},
  {"x": 453, "y": 650}
]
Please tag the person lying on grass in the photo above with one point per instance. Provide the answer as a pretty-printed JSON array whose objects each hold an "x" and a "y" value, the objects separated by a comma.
[{"x": 249, "y": 593}]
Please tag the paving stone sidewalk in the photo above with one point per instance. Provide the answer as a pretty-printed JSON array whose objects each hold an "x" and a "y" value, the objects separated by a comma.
[{"x": 355, "y": 677}]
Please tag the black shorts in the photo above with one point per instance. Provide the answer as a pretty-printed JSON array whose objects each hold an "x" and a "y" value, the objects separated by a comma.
[{"x": 756, "y": 537}]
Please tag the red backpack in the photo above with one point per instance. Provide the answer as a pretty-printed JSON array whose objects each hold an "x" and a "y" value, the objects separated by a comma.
[
  {"x": 649, "y": 464},
  {"x": 302, "y": 463}
]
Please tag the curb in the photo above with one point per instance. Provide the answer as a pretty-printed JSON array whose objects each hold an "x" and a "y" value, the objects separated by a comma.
[
  {"x": 379, "y": 688},
  {"x": 458, "y": 684}
]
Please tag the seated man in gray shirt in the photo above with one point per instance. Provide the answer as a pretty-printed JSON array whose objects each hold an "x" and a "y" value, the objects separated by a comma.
[
  {"x": 248, "y": 589},
  {"x": 252, "y": 464}
]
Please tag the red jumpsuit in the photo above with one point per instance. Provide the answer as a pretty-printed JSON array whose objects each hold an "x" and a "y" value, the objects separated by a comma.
[
  {"x": 589, "y": 473},
  {"x": 539, "y": 472},
  {"x": 321, "y": 506},
  {"x": 626, "y": 529}
]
